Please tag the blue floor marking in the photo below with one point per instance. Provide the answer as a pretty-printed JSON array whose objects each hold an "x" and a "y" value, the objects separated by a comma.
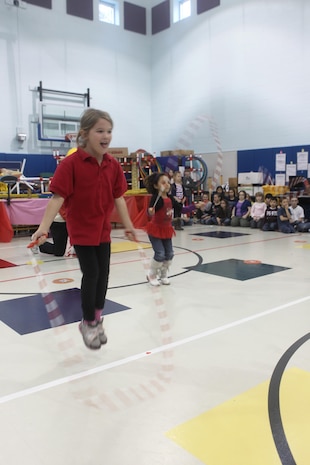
[
  {"x": 237, "y": 269},
  {"x": 28, "y": 314}
]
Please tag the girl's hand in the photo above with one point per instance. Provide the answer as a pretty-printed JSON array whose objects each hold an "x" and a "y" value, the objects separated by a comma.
[
  {"x": 131, "y": 235},
  {"x": 151, "y": 211},
  {"x": 37, "y": 238}
]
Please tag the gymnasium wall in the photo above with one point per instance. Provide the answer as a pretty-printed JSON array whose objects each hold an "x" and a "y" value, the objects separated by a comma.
[
  {"x": 70, "y": 53},
  {"x": 245, "y": 64},
  {"x": 264, "y": 160},
  {"x": 242, "y": 64}
]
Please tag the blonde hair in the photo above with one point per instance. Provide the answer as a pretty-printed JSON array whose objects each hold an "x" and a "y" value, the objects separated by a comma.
[{"x": 88, "y": 120}]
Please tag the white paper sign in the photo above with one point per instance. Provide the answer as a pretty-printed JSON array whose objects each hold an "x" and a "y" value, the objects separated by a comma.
[
  {"x": 280, "y": 179},
  {"x": 280, "y": 161},
  {"x": 302, "y": 161},
  {"x": 290, "y": 170}
]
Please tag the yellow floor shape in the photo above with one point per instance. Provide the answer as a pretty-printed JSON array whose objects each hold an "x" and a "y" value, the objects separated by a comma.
[
  {"x": 304, "y": 246},
  {"x": 127, "y": 246},
  {"x": 238, "y": 431}
]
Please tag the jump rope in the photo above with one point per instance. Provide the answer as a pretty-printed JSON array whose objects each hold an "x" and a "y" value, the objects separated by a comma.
[
  {"x": 125, "y": 397},
  {"x": 120, "y": 397},
  {"x": 65, "y": 343},
  {"x": 128, "y": 396}
]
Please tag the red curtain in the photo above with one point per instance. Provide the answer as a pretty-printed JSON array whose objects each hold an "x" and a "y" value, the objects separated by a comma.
[{"x": 6, "y": 230}]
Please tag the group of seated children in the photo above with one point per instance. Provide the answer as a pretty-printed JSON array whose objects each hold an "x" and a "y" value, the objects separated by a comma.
[
  {"x": 230, "y": 209},
  {"x": 267, "y": 214}
]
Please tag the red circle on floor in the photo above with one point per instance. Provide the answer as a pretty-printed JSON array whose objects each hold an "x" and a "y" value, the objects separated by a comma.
[
  {"x": 197, "y": 239},
  {"x": 252, "y": 262},
  {"x": 63, "y": 280}
]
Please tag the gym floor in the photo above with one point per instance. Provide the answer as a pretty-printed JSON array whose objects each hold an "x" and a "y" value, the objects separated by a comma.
[{"x": 213, "y": 369}]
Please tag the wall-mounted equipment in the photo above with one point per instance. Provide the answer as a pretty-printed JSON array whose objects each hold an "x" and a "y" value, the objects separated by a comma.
[{"x": 59, "y": 113}]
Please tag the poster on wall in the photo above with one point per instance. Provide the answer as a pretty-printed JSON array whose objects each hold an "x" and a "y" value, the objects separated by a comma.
[
  {"x": 280, "y": 179},
  {"x": 280, "y": 161},
  {"x": 290, "y": 171},
  {"x": 302, "y": 161}
]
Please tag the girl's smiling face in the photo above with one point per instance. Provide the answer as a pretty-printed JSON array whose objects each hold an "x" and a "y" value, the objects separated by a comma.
[
  {"x": 98, "y": 138},
  {"x": 163, "y": 184}
]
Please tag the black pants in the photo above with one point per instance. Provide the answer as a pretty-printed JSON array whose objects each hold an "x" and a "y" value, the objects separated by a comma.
[
  {"x": 177, "y": 207},
  {"x": 95, "y": 266},
  {"x": 59, "y": 235}
]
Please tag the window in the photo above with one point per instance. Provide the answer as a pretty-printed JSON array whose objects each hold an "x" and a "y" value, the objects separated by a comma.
[
  {"x": 184, "y": 9},
  {"x": 109, "y": 12},
  {"x": 181, "y": 9}
]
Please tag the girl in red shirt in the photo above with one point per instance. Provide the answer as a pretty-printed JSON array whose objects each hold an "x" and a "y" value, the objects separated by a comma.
[
  {"x": 159, "y": 228},
  {"x": 89, "y": 183}
]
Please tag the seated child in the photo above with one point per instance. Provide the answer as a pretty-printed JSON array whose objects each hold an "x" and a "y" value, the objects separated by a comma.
[
  {"x": 284, "y": 218},
  {"x": 186, "y": 220},
  {"x": 241, "y": 212},
  {"x": 203, "y": 207},
  {"x": 258, "y": 211},
  {"x": 298, "y": 216},
  {"x": 212, "y": 214},
  {"x": 223, "y": 213},
  {"x": 271, "y": 215}
]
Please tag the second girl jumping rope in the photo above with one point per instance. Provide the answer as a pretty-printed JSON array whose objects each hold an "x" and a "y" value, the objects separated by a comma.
[{"x": 159, "y": 228}]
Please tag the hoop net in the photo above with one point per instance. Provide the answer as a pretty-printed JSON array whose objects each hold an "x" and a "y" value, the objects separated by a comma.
[{"x": 71, "y": 137}]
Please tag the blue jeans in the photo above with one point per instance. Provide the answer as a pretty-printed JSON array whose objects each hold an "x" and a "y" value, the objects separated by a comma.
[
  {"x": 286, "y": 228},
  {"x": 270, "y": 226},
  {"x": 303, "y": 227},
  {"x": 163, "y": 250}
]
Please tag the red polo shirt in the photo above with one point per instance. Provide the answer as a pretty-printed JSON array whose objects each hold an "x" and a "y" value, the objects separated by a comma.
[{"x": 89, "y": 190}]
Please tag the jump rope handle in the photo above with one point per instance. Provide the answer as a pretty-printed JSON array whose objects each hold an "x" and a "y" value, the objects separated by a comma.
[
  {"x": 33, "y": 243},
  {"x": 161, "y": 190},
  {"x": 129, "y": 235}
]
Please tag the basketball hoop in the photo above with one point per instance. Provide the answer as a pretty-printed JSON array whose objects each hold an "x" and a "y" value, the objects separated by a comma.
[{"x": 71, "y": 137}]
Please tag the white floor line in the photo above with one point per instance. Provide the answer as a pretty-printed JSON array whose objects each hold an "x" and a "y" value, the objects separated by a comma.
[{"x": 147, "y": 353}]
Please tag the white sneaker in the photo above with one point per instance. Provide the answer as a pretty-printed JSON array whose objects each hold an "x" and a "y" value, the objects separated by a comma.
[
  {"x": 153, "y": 280},
  {"x": 101, "y": 334},
  {"x": 165, "y": 280},
  {"x": 90, "y": 335},
  {"x": 164, "y": 273}
]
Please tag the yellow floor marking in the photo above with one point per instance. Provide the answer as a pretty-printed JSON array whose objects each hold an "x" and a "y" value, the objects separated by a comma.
[
  {"x": 127, "y": 246},
  {"x": 39, "y": 262},
  {"x": 116, "y": 247},
  {"x": 238, "y": 431}
]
